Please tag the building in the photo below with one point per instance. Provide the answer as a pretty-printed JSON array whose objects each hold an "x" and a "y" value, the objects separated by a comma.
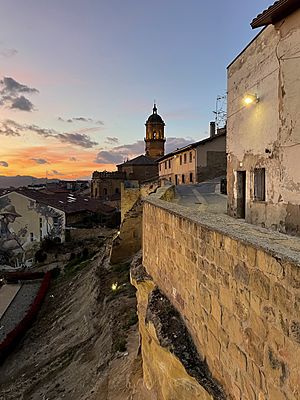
[
  {"x": 28, "y": 216},
  {"x": 143, "y": 168},
  {"x": 263, "y": 128},
  {"x": 197, "y": 162},
  {"x": 107, "y": 185}
]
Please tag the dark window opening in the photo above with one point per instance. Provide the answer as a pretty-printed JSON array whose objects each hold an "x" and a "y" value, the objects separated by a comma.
[
  {"x": 191, "y": 156},
  {"x": 105, "y": 191},
  {"x": 117, "y": 191},
  {"x": 184, "y": 158},
  {"x": 169, "y": 163},
  {"x": 191, "y": 177},
  {"x": 165, "y": 164},
  {"x": 180, "y": 160},
  {"x": 183, "y": 178},
  {"x": 260, "y": 184}
]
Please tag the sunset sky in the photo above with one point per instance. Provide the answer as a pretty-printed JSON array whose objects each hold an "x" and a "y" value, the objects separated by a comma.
[{"x": 78, "y": 77}]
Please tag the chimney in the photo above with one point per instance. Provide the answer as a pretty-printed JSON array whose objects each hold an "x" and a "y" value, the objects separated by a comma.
[{"x": 212, "y": 129}]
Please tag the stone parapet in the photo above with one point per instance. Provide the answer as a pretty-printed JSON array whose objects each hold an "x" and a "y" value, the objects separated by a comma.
[{"x": 237, "y": 288}]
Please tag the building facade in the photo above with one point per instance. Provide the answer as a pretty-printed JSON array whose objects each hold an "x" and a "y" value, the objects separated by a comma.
[
  {"x": 263, "y": 128},
  {"x": 107, "y": 185},
  {"x": 196, "y": 162}
]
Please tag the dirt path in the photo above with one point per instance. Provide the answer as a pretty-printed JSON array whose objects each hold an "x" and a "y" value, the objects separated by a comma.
[{"x": 84, "y": 344}]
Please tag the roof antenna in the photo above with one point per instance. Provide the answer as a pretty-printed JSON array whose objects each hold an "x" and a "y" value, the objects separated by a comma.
[{"x": 154, "y": 108}]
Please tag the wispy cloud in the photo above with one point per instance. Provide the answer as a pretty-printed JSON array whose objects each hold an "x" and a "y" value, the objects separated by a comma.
[
  {"x": 40, "y": 160},
  {"x": 118, "y": 154},
  {"x": 112, "y": 140},
  {"x": 73, "y": 159},
  {"x": 12, "y": 95},
  {"x": 8, "y": 52},
  {"x": 77, "y": 138},
  {"x": 57, "y": 173},
  {"x": 3, "y": 164},
  {"x": 80, "y": 119}
]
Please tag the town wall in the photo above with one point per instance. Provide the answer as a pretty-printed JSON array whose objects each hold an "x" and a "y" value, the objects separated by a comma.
[
  {"x": 239, "y": 296},
  {"x": 266, "y": 134}
]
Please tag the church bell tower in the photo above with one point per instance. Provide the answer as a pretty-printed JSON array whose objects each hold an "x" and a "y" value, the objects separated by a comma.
[{"x": 155, "y": 135}]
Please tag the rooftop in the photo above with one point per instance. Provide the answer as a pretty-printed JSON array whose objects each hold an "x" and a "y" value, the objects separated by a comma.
[
  {"x": 279, "y": 10},
  {"x": 140, "y": 160},
  {"x": 67, "y": 202}
]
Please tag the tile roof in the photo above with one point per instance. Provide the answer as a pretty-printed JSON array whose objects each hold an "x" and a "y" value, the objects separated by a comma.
[
  {"x": 67, "y": 202},
  {"x": 277, "y": 11}
]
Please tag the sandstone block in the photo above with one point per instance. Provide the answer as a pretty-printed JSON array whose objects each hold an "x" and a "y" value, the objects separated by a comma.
[
  {"x": 216, "y": 310},
  {"x": 241, "y": 273},
  {"x": 260, "y": 284},
  {"x": 238, "y": 356},
  {"x": 282, "y": 298}
]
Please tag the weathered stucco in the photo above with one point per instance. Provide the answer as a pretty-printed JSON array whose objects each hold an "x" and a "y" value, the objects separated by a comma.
[{"x": 267, "y": 134}]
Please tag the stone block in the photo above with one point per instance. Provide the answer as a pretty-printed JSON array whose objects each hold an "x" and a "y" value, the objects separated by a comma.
[
  {"x": 253, "y": 346},
  {"x": 241, "y": 273},
  {"x": 226, "y": 298},
  {"x": 251, "y": 256},
  {"x": 216, "y": 310},
  {"x": 258, "y": 326},
  {"x": 260, "y": 284},
  {"x": 238, "y": 356},
  {"x": 292, "y": 274},
  {"x": 282, "y": 298}
]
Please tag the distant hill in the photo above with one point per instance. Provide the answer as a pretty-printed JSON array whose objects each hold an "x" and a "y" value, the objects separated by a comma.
[{"x": 19, "y": 180}]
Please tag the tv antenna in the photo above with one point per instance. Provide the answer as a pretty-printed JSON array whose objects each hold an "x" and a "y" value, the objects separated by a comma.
[{"x": 221, "y": 111}]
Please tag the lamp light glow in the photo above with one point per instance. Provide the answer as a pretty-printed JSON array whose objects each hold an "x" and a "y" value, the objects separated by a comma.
[{"x": 250, "y": 98}]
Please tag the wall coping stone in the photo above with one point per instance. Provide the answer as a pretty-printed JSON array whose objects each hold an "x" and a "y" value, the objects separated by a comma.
[{"x": 279, "y": 245}]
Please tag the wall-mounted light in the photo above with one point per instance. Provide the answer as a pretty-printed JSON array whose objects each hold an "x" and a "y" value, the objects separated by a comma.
[{"x": 250, "y": 99}]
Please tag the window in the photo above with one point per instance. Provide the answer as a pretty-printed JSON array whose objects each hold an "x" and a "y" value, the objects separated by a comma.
[
  {"x": 117, "y": 190},
  {"x": 55, "y": 221},
  {"x": 105, "y": 191},
  {"x": 259, "y": 184},
  {"x": 169, "y": 163},
  {"x": 191, "y": 177},
  {"x": 165, "y": 164},
  {"x": 41, "y": 223},
  {"x": 184, "y": 158},
  {"x": 154, "y": 135},
  {"x": 183, "y": 178},
  {"x": 180, "y": 159},
  {"x": 160, "y": 167},
  {"x": 191, "y": 156},
  {"x": 31, "y": 236}
]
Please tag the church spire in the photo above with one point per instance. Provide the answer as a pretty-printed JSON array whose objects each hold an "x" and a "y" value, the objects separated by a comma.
[{"x": 154, "y": 108}]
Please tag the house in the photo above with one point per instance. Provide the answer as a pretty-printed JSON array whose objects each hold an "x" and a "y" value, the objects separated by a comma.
[
  {"x": 197, "y": 162},
  {"x": 28, "y": 216},
  {"x": 263, "y": 126}
]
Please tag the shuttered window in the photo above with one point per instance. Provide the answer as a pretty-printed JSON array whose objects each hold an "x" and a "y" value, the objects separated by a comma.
[{"x": 260, "y": 184}]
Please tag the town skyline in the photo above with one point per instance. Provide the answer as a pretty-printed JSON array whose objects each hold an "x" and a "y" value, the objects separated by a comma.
[{"x": 75, "y": 98}]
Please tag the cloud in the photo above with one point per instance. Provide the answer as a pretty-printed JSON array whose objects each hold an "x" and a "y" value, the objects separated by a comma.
[
  {"x": 174, "y": 143},
  {"x": 54, "y": 172},
  {"x": 118, "y": 154},
  {"x": 78, "y": 138},
  {"x": 21, "y": 103},
  {"x": 11, "y": 95},
  {"x": 12, "y": 87},
  {"x": 80, "y": 119},
  {"x": 112, "y": 140},
  {"x": 73, "y": 159},
  {"x": 3, "y": 164},
  {"x": 40, "y": 160},
  {"x": 8, "y": 52}
]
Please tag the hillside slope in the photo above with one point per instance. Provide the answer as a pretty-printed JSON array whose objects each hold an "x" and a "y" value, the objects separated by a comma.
[{"x": 77, "y": 347}]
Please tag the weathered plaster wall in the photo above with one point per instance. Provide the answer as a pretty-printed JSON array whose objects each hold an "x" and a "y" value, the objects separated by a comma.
[
  {"x": 29, "y": 223},
  {"x": 267, "y": 134},
  {"x": 238, "y": 297}
]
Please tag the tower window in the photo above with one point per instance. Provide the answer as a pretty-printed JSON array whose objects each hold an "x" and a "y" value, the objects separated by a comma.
[{"x": 154, "y": 135}]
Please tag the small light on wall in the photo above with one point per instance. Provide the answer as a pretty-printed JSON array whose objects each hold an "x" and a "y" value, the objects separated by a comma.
[
  {"x": 241, "y": 164},
  {"x": 250, "y": 99}
]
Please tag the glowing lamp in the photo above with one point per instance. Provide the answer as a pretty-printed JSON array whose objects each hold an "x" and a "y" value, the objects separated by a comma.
[
  {"x": 250, "y": 98},
  {"x": 114, "y": 286}
]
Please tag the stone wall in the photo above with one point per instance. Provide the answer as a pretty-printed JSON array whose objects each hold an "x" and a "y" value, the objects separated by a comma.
[{"x": 238, "y": 293}]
